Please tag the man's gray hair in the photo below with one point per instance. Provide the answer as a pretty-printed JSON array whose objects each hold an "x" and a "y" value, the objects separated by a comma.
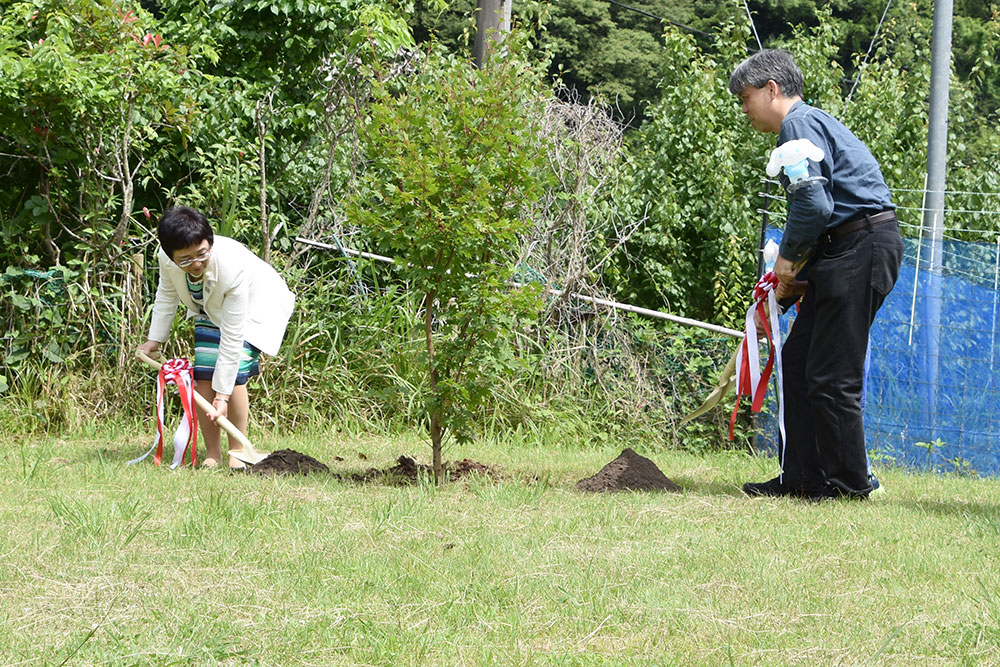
[{"x": 764, "y": 66}]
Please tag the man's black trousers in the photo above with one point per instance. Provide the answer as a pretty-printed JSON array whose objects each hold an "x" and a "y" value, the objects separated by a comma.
[{"x": 823, "y": 360}]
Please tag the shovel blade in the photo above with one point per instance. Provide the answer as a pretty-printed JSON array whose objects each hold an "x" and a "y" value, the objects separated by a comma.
[
  {"x": 252, "y": 457},
  {"x": 726, "y": 382}
]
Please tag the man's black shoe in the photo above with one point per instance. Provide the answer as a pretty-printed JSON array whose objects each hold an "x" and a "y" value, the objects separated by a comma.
[
  {"x": 821, "y": 494},
  {"x": 772, "y": 487},
  {"x": 830, "y": 493}
]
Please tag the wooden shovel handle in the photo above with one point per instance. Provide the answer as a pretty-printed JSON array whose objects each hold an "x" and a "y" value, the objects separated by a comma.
[{"x": 226, "y": 425}]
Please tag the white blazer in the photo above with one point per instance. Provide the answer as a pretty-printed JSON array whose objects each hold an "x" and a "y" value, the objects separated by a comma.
[{"x": 243, "y": 295}]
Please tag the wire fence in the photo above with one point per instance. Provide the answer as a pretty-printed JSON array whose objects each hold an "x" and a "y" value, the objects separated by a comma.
[{"x": 932, "y": 395}]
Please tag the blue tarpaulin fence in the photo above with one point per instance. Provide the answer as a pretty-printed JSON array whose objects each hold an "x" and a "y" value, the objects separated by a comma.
[{"x": 933, "y": 365}]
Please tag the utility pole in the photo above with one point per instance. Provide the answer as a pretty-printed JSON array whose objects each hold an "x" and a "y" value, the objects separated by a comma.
[
  {"x": 490, "y": 23},
  {"x": 933, "y": 220}
]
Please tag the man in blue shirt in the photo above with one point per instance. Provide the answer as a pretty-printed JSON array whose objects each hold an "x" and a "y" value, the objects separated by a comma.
[{"x": 840, "y": 235}]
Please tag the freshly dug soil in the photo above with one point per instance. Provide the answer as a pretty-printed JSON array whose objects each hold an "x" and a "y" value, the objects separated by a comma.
[
  {"x": 628, "y": 472},
  {"x": 288, "y": 462},
  {"x": 407, "y": 471}
]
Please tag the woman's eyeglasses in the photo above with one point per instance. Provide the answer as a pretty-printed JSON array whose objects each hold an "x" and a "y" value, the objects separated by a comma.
[{"x": 201, "y": 257}]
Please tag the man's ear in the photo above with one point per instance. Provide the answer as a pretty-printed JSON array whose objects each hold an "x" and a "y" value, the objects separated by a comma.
[{"x": 774, "y": 88}]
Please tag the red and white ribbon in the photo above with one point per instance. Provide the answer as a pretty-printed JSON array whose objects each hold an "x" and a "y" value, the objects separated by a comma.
[
  {"x": 750, "y": 379},
  {"x": 178, "y": 372}
]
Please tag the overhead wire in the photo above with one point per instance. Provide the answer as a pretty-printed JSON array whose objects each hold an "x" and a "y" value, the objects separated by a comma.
[
  {"x": 781, "y": 215},
  {"x": 921, "y": 209},
  {"x": 659, "y": 18},
  {"x": 867, "y": 55},
  {"x": 950, "y": 192},
  {"x": 948, "y": 210},
  {"x": 752, "y": 26}
]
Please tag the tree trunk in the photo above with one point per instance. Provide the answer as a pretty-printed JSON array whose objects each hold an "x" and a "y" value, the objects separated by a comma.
[
  {"x": 265, "y": 225},
  {"x": 125, "y": 175},
  {"x": 436, "y": 432},
  {"x": 436, "y": 438}
]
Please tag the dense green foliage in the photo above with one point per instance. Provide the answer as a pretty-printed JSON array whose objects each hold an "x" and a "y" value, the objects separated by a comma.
[
  {"x": 598, "y": 48},
  {"x": 92, "y": 99},
  {"x": 697, "y": 164},
  {"x": 614, "y": 49}
]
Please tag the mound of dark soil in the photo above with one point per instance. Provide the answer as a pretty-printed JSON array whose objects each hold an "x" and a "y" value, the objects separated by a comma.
[
  {"x": 288, "y": 462},
  {"x": 628, "y": 472},
  {"x": 407, "y": 471}
]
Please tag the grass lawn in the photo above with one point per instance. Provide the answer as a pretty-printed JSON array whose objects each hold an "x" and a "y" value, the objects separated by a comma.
[{"x": 101, "y": 563}]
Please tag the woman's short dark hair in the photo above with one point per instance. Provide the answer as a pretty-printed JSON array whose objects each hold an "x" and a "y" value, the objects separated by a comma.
[
  {"x": 182, "y": 227},
  {"x": 768, "y": 65}
]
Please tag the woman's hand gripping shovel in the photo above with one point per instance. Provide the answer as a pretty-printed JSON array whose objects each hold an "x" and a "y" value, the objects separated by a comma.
[{"x": 249, "y": 453}]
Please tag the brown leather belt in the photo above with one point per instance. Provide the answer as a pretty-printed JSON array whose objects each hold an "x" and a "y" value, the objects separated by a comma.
[{"x": 860, "y": 222}]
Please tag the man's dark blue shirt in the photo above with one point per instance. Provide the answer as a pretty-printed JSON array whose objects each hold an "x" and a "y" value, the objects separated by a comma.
[{"x": 854, "y": 183}]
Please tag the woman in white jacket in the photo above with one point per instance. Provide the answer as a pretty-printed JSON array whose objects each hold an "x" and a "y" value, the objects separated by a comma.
[{"x": 241, "y": 308}]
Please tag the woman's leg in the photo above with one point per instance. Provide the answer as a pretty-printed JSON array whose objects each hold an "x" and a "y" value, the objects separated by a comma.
[
  {"x": 206, "y": 342},
  {"x": 209, "y": 429}
]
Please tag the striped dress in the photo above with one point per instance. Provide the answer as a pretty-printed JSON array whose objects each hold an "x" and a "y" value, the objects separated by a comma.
[{"x": 206, "y": 344}]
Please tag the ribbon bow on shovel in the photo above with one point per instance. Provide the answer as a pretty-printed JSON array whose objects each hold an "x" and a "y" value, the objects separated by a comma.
[
  {"x": 248, "y": 454},
  {"x": 743, "y": 369},
  {"x": 176, "y": 372}
]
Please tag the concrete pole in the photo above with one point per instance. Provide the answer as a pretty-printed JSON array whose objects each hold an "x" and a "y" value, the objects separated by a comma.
[
  {"x": 933, "y": 220},
  {"x": 937, "y": 135},
  {"x": 489, "y": 15}
]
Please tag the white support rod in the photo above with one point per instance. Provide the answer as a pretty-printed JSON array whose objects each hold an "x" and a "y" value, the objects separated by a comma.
[
  {"x": 346, "y": 251},
  {"x": 652, "y": 313},
  {"x": 590, "y": 299},
  {"x": 916, "y": 280},
  {"x": 916, "y": 266}
]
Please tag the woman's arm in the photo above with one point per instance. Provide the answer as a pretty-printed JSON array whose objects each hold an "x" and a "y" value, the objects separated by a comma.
[
  {"x": 232, "y": 330},
  {"x": 164, "y": 305}
]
